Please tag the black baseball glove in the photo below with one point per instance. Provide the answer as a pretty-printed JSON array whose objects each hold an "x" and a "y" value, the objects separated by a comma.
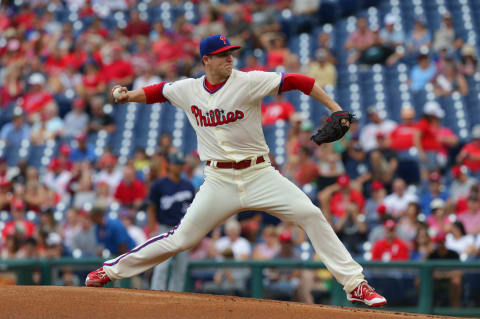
[{"x": 333, "y": 129}]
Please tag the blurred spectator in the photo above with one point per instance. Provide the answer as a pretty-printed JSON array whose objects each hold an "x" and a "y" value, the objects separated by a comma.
[
  {"x": 240, "y": 246},
  {"x": 383, "y": 160},
  {"x": 136, "y": 26},
  {"x": 458, "y": 240},
  {"x": 76, "y": 121},
  {"x": 11, "y": 247},
  {"x": 423, "y": 72},
  {"x": 282, "y": 283},
  {"x": 19, "y": 226},
  {"x": 165, "y": 145},
  {"x": 49, "y": 127},
  {"x": 264, "y": 18},
  {"x": 438, "y": 221},
  {"x": 278, "y": 54},
  {"x": 81, "y": 186},
  {"x": 397, "y": 202},
  {"x": 392, "y": 40},
  {"x": 470, "y": 153},
  {"x": 99, "y": 120},
  {"x": 127, "y": 217},
  {"x": 427, "y": 140},
  {"x": 450, "y": 281},
  {"x": 408, "y": 226},
  {"x": 93, "y": 80},
  {"x": 169, "y": 199},
  {"x": 193, "y": 170},
  {"x": 211, "y": 23},
  {"x": 84, "y": 151},
  {"x": 270, "y": 246},
  {"x": 471, "y": 218},
  {"x": 69, "y": 227},
  {"x": 12, "y": 87},
  {"x": 252, "y": 64},
  {"x": 305, "y": 14},
  {"x": 423, "y": 244},
  {"x": 377, "y": 124},
  {"x": 462, "y": 182},
  {"x": 57, "y": 178},
  {"x": 84, "y": 241},
  {"x": 131, "y": 191},
  {"x": 110, "y": 174},
  {"x": 435, "y": 190},
  {"x": 325, "y": 43},
  {"x": 391, "y": 248},
  {"x": 237, "y": 27},
  {"x": 322, "y": 70},
  {"x": 450, "y": 80},
  {"x": 445, "y": 35},
  {"x": 418, "y": 38},
  {"x": 374, "y": 206},
  {"x": 36, "y": 98},
  {"x": 469, "y": 61},
  {"x": 146, "y": 77},
  {"x": 279, "y": 109},
  {"x": 360, "y": 41},
  {"x": 104, "y": 196},
  {"x": 401, "y": 138},
  {"x": 15, "y": 132},
  {"x": 29, "y": 249},
  {"x": 117, "y": 69},
  {"x": 110, "y": 233},
  {"x": 305, "y": 170}
]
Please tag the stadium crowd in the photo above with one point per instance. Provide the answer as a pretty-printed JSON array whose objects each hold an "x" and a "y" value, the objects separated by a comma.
[{"x": 391, "y": 191}]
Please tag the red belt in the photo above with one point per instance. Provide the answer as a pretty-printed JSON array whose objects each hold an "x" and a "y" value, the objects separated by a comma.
[{"x": 237, "y": 165}]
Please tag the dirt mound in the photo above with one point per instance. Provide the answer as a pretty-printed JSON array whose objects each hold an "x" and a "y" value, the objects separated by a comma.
[{"x": 90, "y": 303}]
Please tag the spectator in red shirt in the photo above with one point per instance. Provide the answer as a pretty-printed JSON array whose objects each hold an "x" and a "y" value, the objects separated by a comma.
[
  {"x": 306, "y": 169},
  {"x": 252, "y": 64},
  {"x": 18, "y": 226},
  {"x": 470, "y": 153},
  {"x": 136, "y": 26},
  {"x": 279, "y": 109},
  {"x": 93, "y": 81},
  {"x": 341, "y": 195},
  {"x": 130, "y": 192},
  {"x": 401, "y": 138},
  {"x": 427, "y": 139},
  {"x": 119, "y": 70},
  {"x": 37, "y": 98},
  {"x": 391, "y": 248}
]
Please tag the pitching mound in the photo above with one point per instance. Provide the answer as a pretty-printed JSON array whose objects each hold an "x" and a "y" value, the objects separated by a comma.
[{"x": 76, "y": 302}]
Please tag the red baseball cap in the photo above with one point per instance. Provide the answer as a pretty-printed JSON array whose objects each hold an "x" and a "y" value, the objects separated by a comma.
[
  {"x": 343, "y": 180},
  {"x": 54, "y": 164},
  {"x": 376, "y": 185},
  {"x": 285, "y": 237},
  {"x": 215, "y": 44},
  {"x": 440, "y": 237},
  {"x": 381, "y": 209},
  {"x": 390, "y": 224},
  {"x": 64, "y": 150},
  {"x": 79, "y": 102},
  {"x": 18, "y": 204}
]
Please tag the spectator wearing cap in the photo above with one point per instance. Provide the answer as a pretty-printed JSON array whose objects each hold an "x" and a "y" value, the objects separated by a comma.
[
  {"x": 37, "y": 98},
  {"x": 76, "y": 121},
  {"x": 392, "y": 39},
  {"x": 18, "y": 226},
  {"x": 84, "y": 151},
  {"x": 435, "y": 190},
  {"x": 427, "y": 139},
  {"x": 462, "y": 182},
  {"x": 446, "y": 280},
  {"x": 57, "y": 178},
  {"x": 118, "y": 69},
  {"x": 470, "y": 154},
  {"x": 110, "y": 233},
  {"x": 169, "y": 199},
  {"x": 471, "y": 217},
  {"x": 279, "y": 109},
  {"x": 131, "y": 191},
  {"x": 377, "y": 124},
  {"x": 445, "y": 35},
  {"x": 423, "y": 72},
  {"x": 397, "y": 202},
  {"x": 438, "y": 219},
  {"x": 99, "y": 120},
  {"x": 373, "y": 204},
  {"x": 345, "y": 207},
  {"x": 110, "y": 174},
  {"x": 468, "y": 62},
  {"x": 13, "y": 133},
  {"x": 322, "y": 70},
  {"x": 391, "y": 248}
]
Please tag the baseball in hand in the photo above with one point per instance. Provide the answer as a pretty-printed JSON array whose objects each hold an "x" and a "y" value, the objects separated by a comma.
[{"x": 117, "y": 95}]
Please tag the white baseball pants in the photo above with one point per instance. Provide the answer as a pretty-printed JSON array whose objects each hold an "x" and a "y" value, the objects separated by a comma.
[{"x": 226, "y": 192}]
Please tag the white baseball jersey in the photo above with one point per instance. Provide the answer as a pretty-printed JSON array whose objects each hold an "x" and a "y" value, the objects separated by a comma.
[{"x": 227, "y": 121}]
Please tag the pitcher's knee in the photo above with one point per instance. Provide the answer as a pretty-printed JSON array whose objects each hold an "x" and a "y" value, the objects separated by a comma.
[{"x": 184, "y": 242}]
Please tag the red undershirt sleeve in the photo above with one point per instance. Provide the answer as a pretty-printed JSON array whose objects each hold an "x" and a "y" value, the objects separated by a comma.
[
  {"x": 154, "y": 93},
  {"x": 294, "y": 81}
]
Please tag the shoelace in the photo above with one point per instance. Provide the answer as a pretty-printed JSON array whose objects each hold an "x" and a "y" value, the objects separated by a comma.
[
  {"x": 368, "y": 291},
  {"x": 101, "y": 274}
]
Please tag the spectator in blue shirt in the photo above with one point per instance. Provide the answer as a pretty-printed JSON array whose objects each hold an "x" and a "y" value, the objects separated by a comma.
[
  {"x": 14, "y": 132},
  {"x": 435, "y": 190},
  {"x": 84, "y": 151},
  {"x": 111, "y": 233},
  {"x": 423, "y": 72}
]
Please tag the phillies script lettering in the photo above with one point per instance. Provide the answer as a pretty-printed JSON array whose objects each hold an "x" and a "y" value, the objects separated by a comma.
[{"x": 215, "y": 117}]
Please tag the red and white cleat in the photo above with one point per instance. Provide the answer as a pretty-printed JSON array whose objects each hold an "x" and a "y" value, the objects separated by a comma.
[
  {"x": 97, "y": 278},
  {"x": 366, "y": 294}
]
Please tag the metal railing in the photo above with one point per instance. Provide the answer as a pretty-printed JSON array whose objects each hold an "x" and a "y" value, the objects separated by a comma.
[{"x": 25, "y": 267}]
